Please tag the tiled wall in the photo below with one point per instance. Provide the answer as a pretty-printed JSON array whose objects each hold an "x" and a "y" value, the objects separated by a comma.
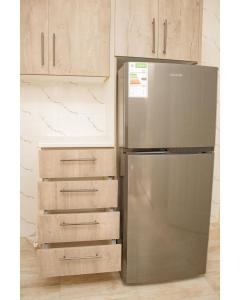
[
  {"x": 59, "y": 109},
  {"x": 85, "y": 108}
]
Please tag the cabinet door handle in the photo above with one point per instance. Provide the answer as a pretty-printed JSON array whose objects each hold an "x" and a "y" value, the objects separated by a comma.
[
  {"x": 153, "y": 32},
  {"x": 42, "y": 48},
  {"x": 78, "y": 258},
  {"x": 79, "y": 224},
  {"x": 54, "y": 49},
  {"x": 165, "y": 37},
  {"x": 79, "y": 191},
  {"x": 92, "y": 159}
]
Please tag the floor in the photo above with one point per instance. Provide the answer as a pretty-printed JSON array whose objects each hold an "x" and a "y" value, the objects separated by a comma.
[{"x": 110, "y": 287}]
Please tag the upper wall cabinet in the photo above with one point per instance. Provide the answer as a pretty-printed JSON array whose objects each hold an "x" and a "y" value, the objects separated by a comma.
[
  {"x": 34, "y": 37},
  {"x": 79, "y": 32},
  {"x": 180, "y": 24},
  {"x": 165, "y": 29},
  {"x": 136, "y": 24},
  {"x": 78, "y": 41}
]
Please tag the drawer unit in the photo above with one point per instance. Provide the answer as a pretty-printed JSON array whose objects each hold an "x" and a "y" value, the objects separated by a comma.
[
  {"x": 57, "y": 228},
  {"x": 77, "y": 163},
  {"x": 79, "y": 225},
  {"x": 63, "y": 195},
  {"x": 80, "y": 260}
]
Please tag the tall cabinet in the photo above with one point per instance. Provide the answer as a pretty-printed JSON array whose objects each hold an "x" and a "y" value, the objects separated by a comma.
[
  {"x": 65, "y": 37},
  {"x": 164, "y": 29}
]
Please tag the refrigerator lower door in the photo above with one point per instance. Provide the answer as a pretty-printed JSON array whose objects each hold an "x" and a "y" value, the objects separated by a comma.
[{"x": 166, "y": 214}]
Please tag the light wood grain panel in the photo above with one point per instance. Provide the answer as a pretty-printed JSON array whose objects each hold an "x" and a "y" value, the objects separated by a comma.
[
  {"x": 82, "y": 31},
  {"x": 54, "y": 164},
  {"x": 86, "y": 260},
  {"x": 183, "y": 29},
  {"x": 134, "y": 29},
  {"x": 63, "y": 195},
  {"x": 50, "y": 229},
  {"x": 200, "y": 32},
  {"x": 34, "y": 22}
]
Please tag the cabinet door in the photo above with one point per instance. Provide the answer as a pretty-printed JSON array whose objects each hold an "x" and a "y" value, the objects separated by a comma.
[
  {"x": 136, "y": 28},
  {"x": 180, "y": 23},
  {"x": 34, "y": 36},
  {"x": 79, "y": 36}
]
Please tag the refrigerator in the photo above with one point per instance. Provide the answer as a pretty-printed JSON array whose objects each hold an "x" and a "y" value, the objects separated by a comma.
[{"x": 166, "y": 136}]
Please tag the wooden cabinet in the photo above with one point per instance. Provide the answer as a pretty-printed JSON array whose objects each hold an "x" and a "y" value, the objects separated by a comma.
[
  {"x": 85, "y": 194},
  {"x": 78, "y": 225},
  {"x": 75, "y": 163},
  {"x": 78, "y": 41},
  {"x": 80, "y": 260},
  {"x": 34, "y": 37},
  {"x": 164, "y": 29},
  {"x": 180, "y": 24},
  {"x": 136, "y": 24},
  {"x": 79, "y": 32}
]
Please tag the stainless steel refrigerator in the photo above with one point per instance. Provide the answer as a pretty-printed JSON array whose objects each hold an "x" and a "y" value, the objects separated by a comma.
[{"x": 166, "y": 137}]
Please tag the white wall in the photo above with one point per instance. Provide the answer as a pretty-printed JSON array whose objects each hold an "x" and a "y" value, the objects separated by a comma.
[
  {"x": 85, "y": 108},
  {"x": 211, "y": 57},
  {"x": 57, "y": 109}
]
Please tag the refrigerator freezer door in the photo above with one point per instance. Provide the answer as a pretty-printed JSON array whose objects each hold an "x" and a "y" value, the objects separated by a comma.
[
  {"x": 166, "y": 213},
  {"x": 178, "y": 108}
]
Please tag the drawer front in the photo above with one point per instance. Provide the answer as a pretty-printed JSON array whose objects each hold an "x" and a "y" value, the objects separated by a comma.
[
  {"x": 54, "y": 228},
  {"x": 72, "y": 163},
  {"x": 80, "y": 260},
  {"x": 63, "y": 195}
]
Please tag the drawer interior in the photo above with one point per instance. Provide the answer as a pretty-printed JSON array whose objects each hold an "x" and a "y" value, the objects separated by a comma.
[{"x": 77, "y": 244}]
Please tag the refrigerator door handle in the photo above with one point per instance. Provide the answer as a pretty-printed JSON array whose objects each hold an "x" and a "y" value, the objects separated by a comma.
[
  {"x": 150, "y": 152},
  {"x": 122, "y": 165}
]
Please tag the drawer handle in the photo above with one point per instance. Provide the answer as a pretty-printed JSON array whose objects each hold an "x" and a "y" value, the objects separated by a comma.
[
  {"x": 92, "y": 159},
  {"x": 79, "y": 191},
  {"x": 78, "y": 258},
  {"x": 79, "y": 224}
]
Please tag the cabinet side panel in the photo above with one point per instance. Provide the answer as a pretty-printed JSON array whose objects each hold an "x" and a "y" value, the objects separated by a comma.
[{"x": 121, "y": 107}]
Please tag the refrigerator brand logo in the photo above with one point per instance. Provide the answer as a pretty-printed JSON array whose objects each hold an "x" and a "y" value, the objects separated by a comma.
[{"x": 176, "y": 75}]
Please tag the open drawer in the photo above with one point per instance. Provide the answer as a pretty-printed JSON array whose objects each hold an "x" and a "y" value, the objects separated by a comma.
[
  {"x": 79, "y": 260},
  {"x": 73, "y": 227},
  {"x": 84, "y": 194}
]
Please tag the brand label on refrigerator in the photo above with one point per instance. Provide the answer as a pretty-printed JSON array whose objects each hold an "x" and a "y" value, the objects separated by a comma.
[{"x": 138, "y": 80}]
